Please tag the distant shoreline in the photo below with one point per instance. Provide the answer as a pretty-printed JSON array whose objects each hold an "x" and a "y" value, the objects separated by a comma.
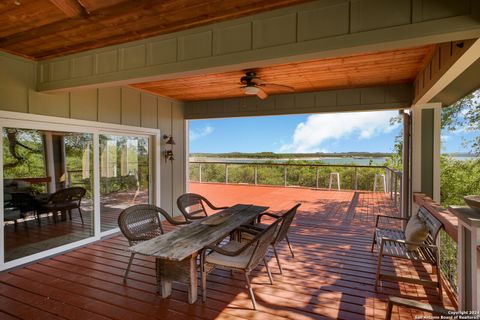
[{"x": 307, "y": 156}]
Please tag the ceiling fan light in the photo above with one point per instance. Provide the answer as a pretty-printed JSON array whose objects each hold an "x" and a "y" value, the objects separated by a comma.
[{"x": 251, "y": 90}]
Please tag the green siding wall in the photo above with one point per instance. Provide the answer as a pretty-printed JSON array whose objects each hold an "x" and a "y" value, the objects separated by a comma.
[
  {"x": 119, "y": 105},
  {"x": 427, "y": 151}
]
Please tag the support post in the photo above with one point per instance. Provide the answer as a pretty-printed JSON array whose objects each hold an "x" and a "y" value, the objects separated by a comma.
[
  {"x": 316, "y": 178},
  {"x": 285, "y": 175},
  {"x": 255, "y": 174},
  {"x": 200, "y": 173},
  {"x": 226, "y": 172}
]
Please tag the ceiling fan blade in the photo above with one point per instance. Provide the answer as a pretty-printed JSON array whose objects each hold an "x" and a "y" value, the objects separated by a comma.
[
  {"x": 257, "y": 81},
  {"x": 279, "y": 87},
  {"x": 262, "y": 94}
]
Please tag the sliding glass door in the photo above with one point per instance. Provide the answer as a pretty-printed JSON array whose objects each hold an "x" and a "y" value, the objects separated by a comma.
[
  {"x": 124, "y": 175},
  {"x": 66, "y": 181},
  {"x": 47, "y": 190}
]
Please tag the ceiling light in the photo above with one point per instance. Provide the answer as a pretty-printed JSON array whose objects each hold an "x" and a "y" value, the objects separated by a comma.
[{"x": 251, "y": 90}]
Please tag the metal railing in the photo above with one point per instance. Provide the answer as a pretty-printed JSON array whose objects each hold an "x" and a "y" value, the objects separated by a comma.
[{"x": 221, "y": 172}]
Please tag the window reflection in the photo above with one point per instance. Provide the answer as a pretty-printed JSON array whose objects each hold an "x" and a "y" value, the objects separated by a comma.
[
  {"x": 48, "y": 179},
  {"x": 124, "y": 176}
]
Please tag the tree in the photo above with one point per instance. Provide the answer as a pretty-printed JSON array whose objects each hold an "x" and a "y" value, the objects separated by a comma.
[{"x": 465, "y": 114}]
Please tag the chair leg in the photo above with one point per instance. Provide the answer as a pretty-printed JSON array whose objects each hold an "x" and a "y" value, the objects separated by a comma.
[
  {"x": 278, "y": 260},
  {"x": 204, "y": 285},
  {"x": 374, "y": 241},
  {"x": 250, "y": 291},
  {"x": 388, "y": 316},
  {"x": 128, "y": 267},
  {"x": 290, "y": 246},
  {"x": 379, "y": 266},
  {"x": 70, "y": 214},
  {"x": 268, "y": 270},
  {"x": 81, "y": 216}
]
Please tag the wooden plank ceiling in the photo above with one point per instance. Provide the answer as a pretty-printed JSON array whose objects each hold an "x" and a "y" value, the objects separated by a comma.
[
  {"x": 40, "y": 29},
  {"x": 363, "y": 70}
]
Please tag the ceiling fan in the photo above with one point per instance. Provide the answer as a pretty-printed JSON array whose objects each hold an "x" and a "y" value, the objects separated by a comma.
[{"x": 252, "y": 85}]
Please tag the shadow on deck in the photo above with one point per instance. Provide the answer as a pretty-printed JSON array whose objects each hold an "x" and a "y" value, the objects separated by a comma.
[{"x": 332, "y": 275}]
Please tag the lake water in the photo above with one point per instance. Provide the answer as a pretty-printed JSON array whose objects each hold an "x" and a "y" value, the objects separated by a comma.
[{"x": 327, "y": 160}]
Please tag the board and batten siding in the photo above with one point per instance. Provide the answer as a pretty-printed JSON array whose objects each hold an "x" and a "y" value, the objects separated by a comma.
[
  {"x": 358, "y": 99},
  {"x": 313, "y": 30},
  {"x": 118, "y": 105}
]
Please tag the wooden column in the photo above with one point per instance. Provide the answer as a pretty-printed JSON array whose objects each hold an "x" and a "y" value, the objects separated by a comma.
[{"x": 468, "y": 257}]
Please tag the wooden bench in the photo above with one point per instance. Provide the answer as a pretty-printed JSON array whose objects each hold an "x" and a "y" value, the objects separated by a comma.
[
  {"x": 413, "y": 304},
  {"x": 392, "y": 243}
]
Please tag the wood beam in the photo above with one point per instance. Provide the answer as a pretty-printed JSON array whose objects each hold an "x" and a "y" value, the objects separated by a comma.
[{"x": 71, "y": 8}]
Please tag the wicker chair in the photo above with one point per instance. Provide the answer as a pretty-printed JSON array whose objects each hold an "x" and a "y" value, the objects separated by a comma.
[
  {"x": 192, "y": 206},
  {"x": 64, "y": 200},
  {"x": 286, "y": 221},
  {"x": 142, "y": 222},
  {"x": 239, "y": 256}
]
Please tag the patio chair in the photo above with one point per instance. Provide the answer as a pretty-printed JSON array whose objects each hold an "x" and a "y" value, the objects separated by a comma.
[
  {"x": 64, "y": 200},
  {"x": 240, "y": 256},
  {"x": 142, "y": 222},
  {"x": 25, "y": 203},
  {"x": 192, "y": 206},
  {"x": 282, "y": 233}
]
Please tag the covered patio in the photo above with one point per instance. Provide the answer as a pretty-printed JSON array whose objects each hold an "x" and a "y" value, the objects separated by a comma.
[
  {"x": 331, "y": 276},
  {"x": 98, "y": 96}
]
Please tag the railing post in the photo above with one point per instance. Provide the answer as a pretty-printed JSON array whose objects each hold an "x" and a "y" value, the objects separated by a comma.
[
  {"x": 226, "y": 172},
  {"x": 200, "y": 172},
  {"x": 391, "y": 181},
  {"x": 395, "y": 191},
  {"x": 316, "y": 178},
  {"x": 386, "y": 181},
  {"x": 356, "y": 178},
  {"x": 255, "y": 174},
  {"x": 400, "y": 197},
  {"x": 285, "y": 175}
]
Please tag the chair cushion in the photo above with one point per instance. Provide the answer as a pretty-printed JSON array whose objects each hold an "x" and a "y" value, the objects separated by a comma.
[
  {"x": 415, "y": 231},
  {"x": 240, "y": 261}
]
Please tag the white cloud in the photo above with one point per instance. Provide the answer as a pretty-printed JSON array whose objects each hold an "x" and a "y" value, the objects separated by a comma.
[
  {"x": 200, "y": 133},
  {"x": 317, "y": 129},
  {"x": 444, "y": 138}
]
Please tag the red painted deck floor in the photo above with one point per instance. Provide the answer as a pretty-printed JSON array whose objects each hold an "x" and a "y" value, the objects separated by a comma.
[{"x": 331, "y": 276}]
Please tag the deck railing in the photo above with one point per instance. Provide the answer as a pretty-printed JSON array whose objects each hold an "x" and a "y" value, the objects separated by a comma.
[{"x": 312, "y": 175}]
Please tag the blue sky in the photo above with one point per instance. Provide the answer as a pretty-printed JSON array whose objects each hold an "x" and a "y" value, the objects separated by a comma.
[{"x": 342, "y": 132}]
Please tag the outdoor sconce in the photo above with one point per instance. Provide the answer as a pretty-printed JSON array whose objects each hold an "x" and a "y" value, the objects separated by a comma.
[{"x": 168, "y": 153}]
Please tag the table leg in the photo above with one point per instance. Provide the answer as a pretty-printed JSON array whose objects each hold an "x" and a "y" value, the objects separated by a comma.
[
  {"x": 192, "y": 290},
  {"x": 166, "y": 287}
]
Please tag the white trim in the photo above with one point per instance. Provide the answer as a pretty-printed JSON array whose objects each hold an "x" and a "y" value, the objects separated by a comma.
[
  {"x": 186, "y": 143},
  {"x": 48, "y": 123},
  {"x": 463, "y": 62},
  {"x": 47, "y": 253},
  {"x": 97, "y": 219},
  {"x": 109, "y": 232},
  {"x": 83, "y": 125}
]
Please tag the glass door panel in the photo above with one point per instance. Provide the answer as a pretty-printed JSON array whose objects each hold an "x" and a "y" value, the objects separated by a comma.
[
  {"x": 48, "y": 183},
  {"x": 124, "y": 175}
]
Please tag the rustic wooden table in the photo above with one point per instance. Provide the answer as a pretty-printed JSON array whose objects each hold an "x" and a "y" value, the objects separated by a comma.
[{"x": 176, "y": 251}]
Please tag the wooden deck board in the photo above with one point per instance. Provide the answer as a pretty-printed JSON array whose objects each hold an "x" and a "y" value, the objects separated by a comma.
[{"x": 332, "y": 275}]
